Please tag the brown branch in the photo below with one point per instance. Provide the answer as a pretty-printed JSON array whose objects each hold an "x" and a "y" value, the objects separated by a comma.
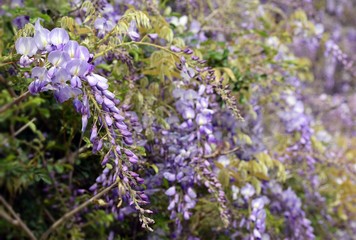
[
  {"x": 15, "y": 101},
  {"x": 7, "y": 217},
  {"x": 18, "y": 131},
  {"x": 75, "y": 210},
  {"x": 24, "y": 127},
  {"x": 17, "y": 221},
  {"x": 49, "y": 215}
]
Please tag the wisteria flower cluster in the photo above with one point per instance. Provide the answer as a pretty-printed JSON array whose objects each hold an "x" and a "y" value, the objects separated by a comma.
[
  {"x": 177, "y": 120},
  {"x": 68, "y": 72},
  {"x": 68, "y": 62},
  {"x": 297, "y": 226},
  {"x": 187, "y": 145}
]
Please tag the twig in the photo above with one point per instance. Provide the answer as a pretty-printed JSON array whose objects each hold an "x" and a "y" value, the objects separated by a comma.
[
  {"x": 49, "y": 215},
  {"x": 218, "y": 152},
  {"x": 24, "y": 127},
  {"x": 7, "y": 217},
  {"x": 76, "y": 210},
  {"x": 19, "y": 131},
  {"x": 78, "y": 7},
  {"x": 15, "y": 101},
  {"x": 17, "y": 219}
]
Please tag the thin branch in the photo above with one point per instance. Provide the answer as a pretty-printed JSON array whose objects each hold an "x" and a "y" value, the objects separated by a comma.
[
  {"x": 17, "y": 219},
  {"x": 7, "y": 217},
  {"x": 76, "y": 210},
  {"x": 49, "y": 215},
  {"x": 15, "y": 101},
  {"x": 24, "y": 127},
  {"x": 218, "y": 152},
  {"x": 78, "y": 7}
]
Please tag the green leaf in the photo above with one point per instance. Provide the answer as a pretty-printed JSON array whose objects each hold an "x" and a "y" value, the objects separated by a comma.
[
  {"x": 224, "y": 177},
  {"x": 154, "y": 168}
]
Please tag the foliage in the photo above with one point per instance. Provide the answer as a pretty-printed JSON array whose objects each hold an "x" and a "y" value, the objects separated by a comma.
[{"x": 175, "y": 120}]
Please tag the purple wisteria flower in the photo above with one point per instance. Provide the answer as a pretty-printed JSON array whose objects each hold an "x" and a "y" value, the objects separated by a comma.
[
  {"x": 258, "y": 216},
  {"x": 41, "y": 36},
  {"x": 41, "y": 80},
  {"x": 248, "y": 191},
  {"x": 58, "y": 58},
  {"x": 133, "y": 31},
  {"x": 65, "y": 93},
  {"x": 103, "y": 26},
  {"x": 58, "y": 37},
  {"x": 21, "y": 21},
  {"x": 26, "y": 46}
]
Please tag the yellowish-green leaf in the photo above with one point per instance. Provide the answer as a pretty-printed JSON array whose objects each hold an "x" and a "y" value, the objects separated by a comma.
[
  {"x": 245, "y": 138},
  {"x": 155, "y": 168},
  {"x": 229, "y": 72},
  {"x": 224, "y": 177}
]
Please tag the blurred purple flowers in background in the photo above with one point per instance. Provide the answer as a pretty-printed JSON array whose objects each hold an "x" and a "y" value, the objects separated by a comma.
[{"x": 160, "y": 92}]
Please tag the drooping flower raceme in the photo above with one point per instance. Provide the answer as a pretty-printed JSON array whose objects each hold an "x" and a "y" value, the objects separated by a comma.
[
  {"x": 182, "y": 150},
  {"x": 69, "y": 74},
  {"x": 255, "y": 221},
  {"x": 286, "y": 202},
  {"x": 298, "y": 122}
]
